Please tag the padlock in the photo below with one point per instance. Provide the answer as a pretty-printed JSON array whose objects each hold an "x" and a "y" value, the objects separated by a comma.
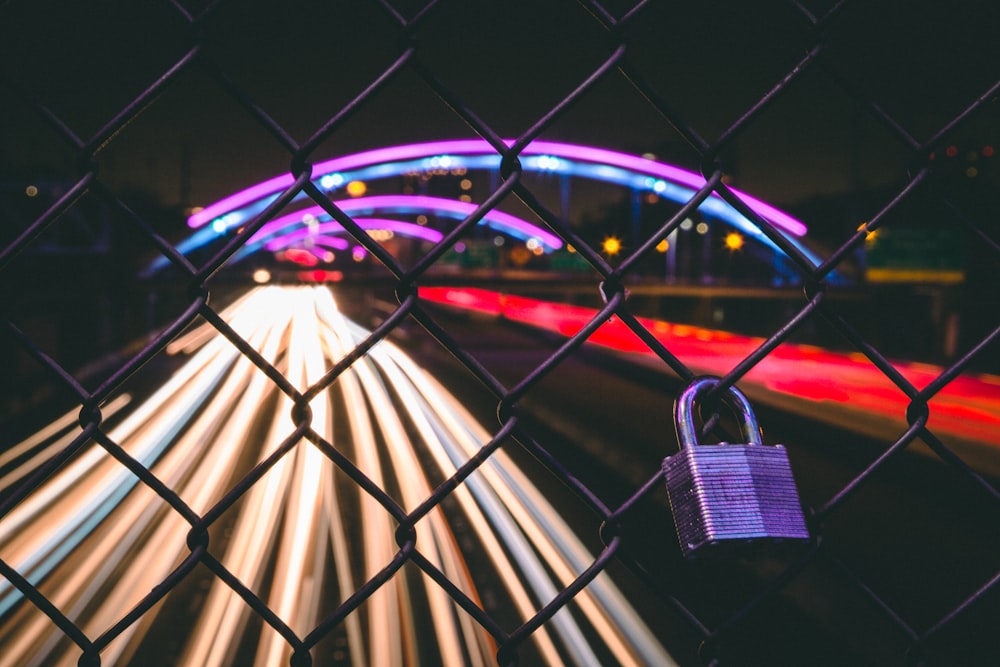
[{"x": 726, "y": 496}]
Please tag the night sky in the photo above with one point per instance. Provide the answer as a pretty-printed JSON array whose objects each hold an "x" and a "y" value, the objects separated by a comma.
[{"x": 509, "y": 62}]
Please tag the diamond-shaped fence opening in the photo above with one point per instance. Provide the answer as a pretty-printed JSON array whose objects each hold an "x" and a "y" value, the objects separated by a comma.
[{"x": 352, "y": 335}]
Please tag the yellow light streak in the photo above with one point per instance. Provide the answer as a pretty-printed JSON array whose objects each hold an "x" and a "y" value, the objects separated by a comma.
[{"x": 193, "y": 434}]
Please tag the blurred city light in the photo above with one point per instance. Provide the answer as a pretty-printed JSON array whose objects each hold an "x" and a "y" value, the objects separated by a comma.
[{"x": 611, "y": 245}]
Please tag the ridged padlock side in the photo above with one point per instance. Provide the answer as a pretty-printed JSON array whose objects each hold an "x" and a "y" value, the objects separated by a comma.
[
  {"x": 712, "y": 497},
  {"x": 732, "y": 493},
  {"x": 781, "y": 509}
]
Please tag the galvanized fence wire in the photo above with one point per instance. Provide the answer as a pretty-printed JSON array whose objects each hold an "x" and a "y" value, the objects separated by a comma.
[{"x": 818, "y": 30}]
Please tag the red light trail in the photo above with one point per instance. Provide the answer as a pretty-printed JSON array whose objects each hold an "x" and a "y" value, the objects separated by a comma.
[{"x": 841, "y": 388}]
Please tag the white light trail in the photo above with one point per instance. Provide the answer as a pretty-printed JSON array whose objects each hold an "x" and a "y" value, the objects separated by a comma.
[
  {"x": 66, "y": 427},
  {"x": 304, "y": 538}
]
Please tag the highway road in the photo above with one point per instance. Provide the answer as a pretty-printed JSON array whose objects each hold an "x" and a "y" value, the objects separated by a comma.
[
  {"x": 305, "y": 536},
  {"x": 921, "y": 536},
  {"x": 97, "y": 540},
  {"x": 838, "y": 388}
]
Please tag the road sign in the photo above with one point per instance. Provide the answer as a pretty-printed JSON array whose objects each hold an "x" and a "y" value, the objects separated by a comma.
[{"x": 911, "y": 255}]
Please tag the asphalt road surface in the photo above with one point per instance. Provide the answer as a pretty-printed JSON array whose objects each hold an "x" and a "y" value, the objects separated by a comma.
[
  {"x": 913, "y": 537},
  {"x": 920, "y": 537}
]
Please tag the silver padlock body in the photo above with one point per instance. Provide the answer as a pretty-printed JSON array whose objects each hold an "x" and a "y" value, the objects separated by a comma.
[{"x": 728, "y": 494}]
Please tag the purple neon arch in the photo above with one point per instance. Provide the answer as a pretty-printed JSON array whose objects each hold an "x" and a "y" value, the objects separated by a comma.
[
  {"x": 317, "y": 237},
  {"x": 408, "y": 203},
  {"x": 331, "y": 242},
  {"x": 326, "y": 228},
  {"x": 481, "y": 147}
]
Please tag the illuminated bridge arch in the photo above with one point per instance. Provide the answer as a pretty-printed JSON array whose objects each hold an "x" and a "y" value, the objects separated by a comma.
[
  {"x": 635, "y": 172},
  {"x": 295, "y": 223}
]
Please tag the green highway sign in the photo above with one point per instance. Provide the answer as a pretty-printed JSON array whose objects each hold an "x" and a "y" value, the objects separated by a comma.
[{"x": 909, "y": 255}]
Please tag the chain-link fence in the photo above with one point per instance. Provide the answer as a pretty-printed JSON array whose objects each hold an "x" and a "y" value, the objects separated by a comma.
[{"x": 118, "y": 118}]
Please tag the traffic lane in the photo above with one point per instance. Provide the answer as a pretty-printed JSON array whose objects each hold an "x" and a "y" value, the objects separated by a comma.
[
  {"x": 926, "y": 536},
  {"x": 833, "y": 387},
  {"x": 402, "y": 430}
]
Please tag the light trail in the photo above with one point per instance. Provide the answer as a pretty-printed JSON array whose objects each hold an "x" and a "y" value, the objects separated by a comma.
[
  {"x": 304, "y": 537},
  {"x": 841, "y": 388},
  {"x": 88, "y": 593},
  {"x": 433, "y": 533},
  {"x": 40, "y": 446}
]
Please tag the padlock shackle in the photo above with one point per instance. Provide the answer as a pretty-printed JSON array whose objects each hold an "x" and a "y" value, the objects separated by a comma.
[{"x": 734, "y": 399}]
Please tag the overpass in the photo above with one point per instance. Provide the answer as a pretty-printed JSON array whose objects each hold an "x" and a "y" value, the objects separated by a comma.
[{"x": 305, "y": 226}]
